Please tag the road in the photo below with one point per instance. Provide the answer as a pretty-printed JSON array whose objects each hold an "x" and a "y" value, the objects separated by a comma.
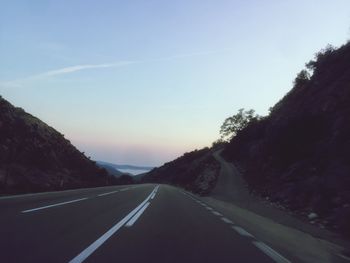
[
  {"x": 230, "y": 185},
  {"x": 139, "y": 223}
]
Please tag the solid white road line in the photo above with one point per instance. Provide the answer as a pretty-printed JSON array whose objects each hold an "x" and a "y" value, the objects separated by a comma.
[
  {"x": 270, "y": 252},
  {"x": 242, "y": 232},
  {"x": 109, "y": 193},
  {"x": 95, "y": 245},
  {"x": 137, "y": 215},
  {"x": 58, "y": 204},
  {"x": 209, "y": 208}
]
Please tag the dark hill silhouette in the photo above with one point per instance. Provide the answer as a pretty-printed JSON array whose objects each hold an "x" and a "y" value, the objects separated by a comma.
[
  {"x": 299, "y": 155},
  {"x": 110, "y": 169},
  {"x": 35, "y": 157},
  {"x": 195, "y": 171}
]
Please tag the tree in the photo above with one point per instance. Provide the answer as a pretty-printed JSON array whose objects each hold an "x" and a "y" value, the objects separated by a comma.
[
  {"x": 232, "y": 125},
  {"x": 302, "y": 78},
  {"x": 320, "y": 57}
]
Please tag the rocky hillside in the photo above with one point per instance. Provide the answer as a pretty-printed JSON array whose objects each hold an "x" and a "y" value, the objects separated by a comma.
[
  {"x": 196, "y": 171},
  {"x": 35, "y": 157},
  {"x": 299, "y": 155}
]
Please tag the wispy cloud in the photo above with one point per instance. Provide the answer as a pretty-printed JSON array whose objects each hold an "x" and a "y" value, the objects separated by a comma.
[
  {"x": 66, "y": 70},
  {"x": 76, "y": 68},
  {"x": 71, "y": 69}
]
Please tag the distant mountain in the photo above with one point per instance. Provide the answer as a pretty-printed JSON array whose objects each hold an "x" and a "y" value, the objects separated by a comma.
[
  {"x": 110, "y": 169},
  {"x": 126, "y": 168},
  {"x": 35, "y": 157}
]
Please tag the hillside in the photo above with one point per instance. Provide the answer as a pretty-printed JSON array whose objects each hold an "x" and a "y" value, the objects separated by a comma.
[
  {"x": 111, "y": 170},
  {"x": 299, "y": 155},
  {"x": 196, "y": 171},
  {"x": 35, "y": 157}
]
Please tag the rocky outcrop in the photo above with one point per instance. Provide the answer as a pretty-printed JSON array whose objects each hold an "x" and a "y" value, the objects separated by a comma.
[{"x": 196, "y": 171}]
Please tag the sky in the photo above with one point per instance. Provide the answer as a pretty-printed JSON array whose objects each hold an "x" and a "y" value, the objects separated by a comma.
[{"x": 142, "y": 82}]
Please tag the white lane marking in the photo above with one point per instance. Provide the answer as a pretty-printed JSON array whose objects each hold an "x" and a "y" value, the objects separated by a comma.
[
  {"x": 153, "y": 195},
  {"x": 216, "y": 213},
  {"x": 124, "y": 189},
  {"x": 109, "y": 193},
  {"x": 209, "y": 208},
  {"x": 95, "y": 245},
  {"x": 226, "y": 220},
  {"x": 242, "y": 232},
  {"x": 270, "y": 252},
  {"x": 58, "y": 204},
  {"x": 137, "y": 215}
]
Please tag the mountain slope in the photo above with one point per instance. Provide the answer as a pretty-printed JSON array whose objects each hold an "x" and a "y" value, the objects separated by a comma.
[
  {"x": 35, "y": 157},
  {"x": 196, "y": 171},
  {"x": 299, "y": 155},
  {"x": 110, "y": 169}
]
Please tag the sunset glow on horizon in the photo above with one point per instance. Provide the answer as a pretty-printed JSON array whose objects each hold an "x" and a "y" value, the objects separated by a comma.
[{"x": 142, "y": 82}]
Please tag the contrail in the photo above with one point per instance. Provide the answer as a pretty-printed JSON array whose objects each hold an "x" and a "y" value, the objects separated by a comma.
[{"x": 71, "y": 69}]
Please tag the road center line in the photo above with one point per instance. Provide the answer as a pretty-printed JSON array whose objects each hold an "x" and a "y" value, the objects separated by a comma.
[
  {"x": 58, "y": 204},
  {"x": 270, "y": 252},
  {"x": 137, "y": 215},
  {"x": 95, "y": 245},
  {"x": 226, "y": 220},
  {"x": 216, "y": 213},
  {"x": 242, "y": 232},
  {"x": 109, "y": 193}
]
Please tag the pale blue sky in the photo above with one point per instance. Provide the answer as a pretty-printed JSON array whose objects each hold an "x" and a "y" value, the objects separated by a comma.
[{"x": 142, "y": 82}]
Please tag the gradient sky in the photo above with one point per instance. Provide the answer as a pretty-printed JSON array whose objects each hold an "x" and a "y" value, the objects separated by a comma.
[{"x": 142, "y": 82}]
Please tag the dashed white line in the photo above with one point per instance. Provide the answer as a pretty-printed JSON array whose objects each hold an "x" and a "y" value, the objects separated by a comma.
[
  {"x": 263, "y": 247},
  {"x": 58, "y": 204},
  {"x": 216, "y": 213},
  {"x": 242, "y": 232},
  {"x": 226, "y": 220},
  {"x": 270, "y": 252},
  {"x": 137, "y": 215},
  {"x": 68, "y": 202},
  {"x": 109, "y": 193},
  {"x": 153, "y": 195}
]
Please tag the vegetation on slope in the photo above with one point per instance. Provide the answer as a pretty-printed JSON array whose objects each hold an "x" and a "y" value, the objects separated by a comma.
[
  {"x": 195, "y": 171},
  {"x": 35, "y": 157},
  {"x": 299, "y": 155}
]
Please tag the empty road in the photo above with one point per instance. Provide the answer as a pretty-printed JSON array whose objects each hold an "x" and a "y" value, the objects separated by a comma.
[{"x": 139, "y": 223}]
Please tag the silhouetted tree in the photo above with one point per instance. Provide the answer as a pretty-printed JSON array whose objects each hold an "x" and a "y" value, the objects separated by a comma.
[
  {"x": 236, "y": 123},
  {"x": 320, "y": 57},
  {"x": 302, "y": 78}
]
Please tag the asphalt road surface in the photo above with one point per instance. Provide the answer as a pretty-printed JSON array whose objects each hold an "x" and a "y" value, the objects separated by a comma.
[{"x": 139, "y": 223}]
